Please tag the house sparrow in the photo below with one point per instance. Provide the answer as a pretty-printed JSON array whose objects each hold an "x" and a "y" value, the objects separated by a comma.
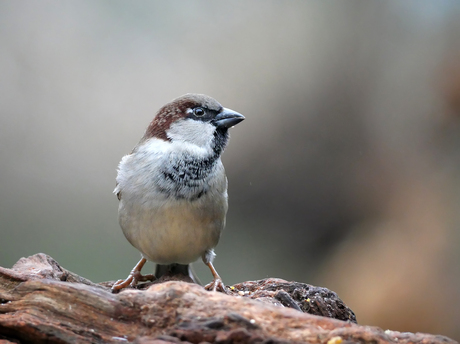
[{"x": 172, "y": 188}]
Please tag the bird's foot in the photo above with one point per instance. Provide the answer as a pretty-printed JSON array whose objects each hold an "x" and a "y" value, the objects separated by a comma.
[
  {"x": 132, "y": 280},
  {"x": 216, "y": 285},
  {"x": 134, "y": 277}
]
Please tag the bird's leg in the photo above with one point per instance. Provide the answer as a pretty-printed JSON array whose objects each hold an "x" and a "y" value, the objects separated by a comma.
[
  {"x": 134, "y": 277},
  {"x": 216, "y": 284}
]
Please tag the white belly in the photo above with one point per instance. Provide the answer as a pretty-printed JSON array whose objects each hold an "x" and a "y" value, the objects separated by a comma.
[{"x": 175, "y": 231}]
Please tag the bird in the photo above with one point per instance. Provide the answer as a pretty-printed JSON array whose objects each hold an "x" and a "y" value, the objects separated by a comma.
[{"x": 172, "y": 189}]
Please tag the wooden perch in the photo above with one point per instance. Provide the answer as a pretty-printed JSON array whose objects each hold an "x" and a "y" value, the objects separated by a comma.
[{"x": 41, "y": 302}]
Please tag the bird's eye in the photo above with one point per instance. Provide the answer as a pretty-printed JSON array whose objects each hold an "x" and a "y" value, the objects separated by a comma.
[{"x": 198, "y": 111}]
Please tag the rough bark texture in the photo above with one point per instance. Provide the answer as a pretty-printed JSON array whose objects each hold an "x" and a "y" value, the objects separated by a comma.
[{"x": 42, "y": 302}]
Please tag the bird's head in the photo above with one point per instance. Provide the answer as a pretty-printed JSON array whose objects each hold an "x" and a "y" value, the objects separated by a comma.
[{"x": 195, "y": 119}]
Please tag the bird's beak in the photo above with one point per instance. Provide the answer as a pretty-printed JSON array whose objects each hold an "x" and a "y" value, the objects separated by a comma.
[{"x": 227, "y": 118}]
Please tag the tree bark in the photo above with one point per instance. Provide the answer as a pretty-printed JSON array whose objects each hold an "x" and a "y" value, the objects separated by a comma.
[{"x": 41, "y": 302}]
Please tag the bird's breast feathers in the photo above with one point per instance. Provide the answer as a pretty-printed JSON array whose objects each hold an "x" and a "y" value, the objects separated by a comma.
[
  {"x": 161, "y": 170},
  {"x": 171, "y": 204}
]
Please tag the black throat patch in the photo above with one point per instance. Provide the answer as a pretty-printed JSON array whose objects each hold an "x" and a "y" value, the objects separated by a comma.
[{"x": 188, "y": 176}]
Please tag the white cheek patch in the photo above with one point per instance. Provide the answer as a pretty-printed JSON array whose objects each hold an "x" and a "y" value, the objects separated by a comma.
[{"x": 191, "y": 131}]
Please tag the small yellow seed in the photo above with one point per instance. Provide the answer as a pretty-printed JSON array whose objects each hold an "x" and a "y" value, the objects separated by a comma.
[{"x": 335, "y": 340}]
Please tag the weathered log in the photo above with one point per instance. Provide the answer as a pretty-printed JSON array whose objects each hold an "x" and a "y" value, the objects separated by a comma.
[{"x": 41, "y": 302}]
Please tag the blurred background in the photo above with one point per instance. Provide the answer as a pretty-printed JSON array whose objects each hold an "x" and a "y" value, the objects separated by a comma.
[{"x": 345, "y": 174}]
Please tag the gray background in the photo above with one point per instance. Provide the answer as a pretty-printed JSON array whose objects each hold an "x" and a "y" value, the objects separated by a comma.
[{"x": 345, "y": 173}]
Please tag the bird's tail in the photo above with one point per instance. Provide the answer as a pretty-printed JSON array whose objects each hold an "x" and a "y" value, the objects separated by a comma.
[{"x": 177, "y": 269}]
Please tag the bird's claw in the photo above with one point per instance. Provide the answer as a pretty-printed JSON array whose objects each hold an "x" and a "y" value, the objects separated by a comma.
[
  {"x": 132, "y": 280},
  {"x": 120, "y": 284},
  {"x": 216, "y": 285}
]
